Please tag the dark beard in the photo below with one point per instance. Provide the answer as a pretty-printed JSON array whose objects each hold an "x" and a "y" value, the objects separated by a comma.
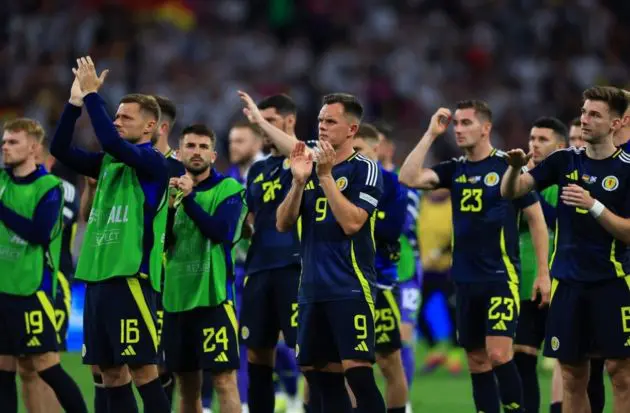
[{"x": 196, "y": 171}]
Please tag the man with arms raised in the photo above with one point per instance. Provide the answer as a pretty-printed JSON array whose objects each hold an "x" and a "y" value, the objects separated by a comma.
[
  {"x": 590, "y": 311},
  {"x": 485, "y": 252},
  {"x": 121, "y": 258}
]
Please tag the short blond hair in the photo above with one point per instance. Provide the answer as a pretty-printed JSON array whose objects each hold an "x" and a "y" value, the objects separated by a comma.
[{"x": 32, "y": 128}]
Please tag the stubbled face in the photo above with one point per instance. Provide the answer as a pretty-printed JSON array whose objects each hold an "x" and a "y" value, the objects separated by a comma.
[
  {"x": 132, "y": 123},
  {"x": 597, "y": 121},
  {"x": 18, "y": 147},
  {"x": 197, "y": 153},
  {"x": 365, "y": 147},
  {"x": 243, "y": 145},
  {"x": 542, "y": 142},
  {"x": 469, "y": 129},
  {"x": 272, "y": 116},
  {"x": 335, "y": 126},
  {"x": 575, "y": 137}
]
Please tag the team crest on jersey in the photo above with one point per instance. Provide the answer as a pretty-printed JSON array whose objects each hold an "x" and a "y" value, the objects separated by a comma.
[
  {"x": 491, "y": 179},
  {"x": 342, "y": 183},
  {"x": 286, "y": 164},
  {"x": 610, "y": 183}
]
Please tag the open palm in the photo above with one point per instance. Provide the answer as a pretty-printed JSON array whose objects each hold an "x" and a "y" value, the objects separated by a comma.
[{"x": 301, "y": 162}]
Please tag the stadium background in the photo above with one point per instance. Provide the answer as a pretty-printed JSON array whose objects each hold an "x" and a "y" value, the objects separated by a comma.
[{"x": 403, "y": 58}]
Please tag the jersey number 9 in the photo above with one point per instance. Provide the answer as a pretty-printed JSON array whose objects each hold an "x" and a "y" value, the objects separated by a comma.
[
  {"x": 471, "y": 200},
  {"x": 321, "y": 206}
]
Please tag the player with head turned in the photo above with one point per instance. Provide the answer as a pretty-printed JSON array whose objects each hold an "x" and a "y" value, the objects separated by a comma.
[
  {"x": 31, "y": 226},
  {"x": 621, "y": 137},
  {"x": 200, "y": 325},
  {"x": 390, "y": 222},
  {"x": 336, "y": 199},
  {"x": 546, "y": 136},
  {"x": 272, "y": 268},
  {"x": 485, "y": 251},
  {"x": 121, "y": 257},
  {"x": 575, "y": 134},
  {"x": 590, "y": 311}
]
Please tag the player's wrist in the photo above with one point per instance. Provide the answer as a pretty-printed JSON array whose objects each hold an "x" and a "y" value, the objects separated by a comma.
[
  {"x": 76, "y": 102},
  {"x": 597, "y": 209},
  {"x": 298, "y": 182}
]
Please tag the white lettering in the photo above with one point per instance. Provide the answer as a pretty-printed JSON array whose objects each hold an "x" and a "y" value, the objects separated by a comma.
[{"x": 118, "y": 214}]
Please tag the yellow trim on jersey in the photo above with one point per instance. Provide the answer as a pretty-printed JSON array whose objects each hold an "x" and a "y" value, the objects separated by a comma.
[
  {"x": 515, "y": 295},
  {"x": 493, "y": 152},
  {"x": 554, "y": 287},
  {"x": 618, "y": 266},
  {"x": 627, "y": 278},
  {"x": 49, "y": 310},
  {"x": 619, "y": 150},
  {"x": 555, "y": 245},
  {"x": 511, "y": 270},
  {"x": 73, "y": 235},
  {"x": 65, "y": 289},
  {"x": 138, "y": 296},
  {"x": 299, "y": 228},
  {"x": 391, "y": 300},
  {"x": 229, "y": 310},
  {"x": 365, "y": 285},
  {"x": 373, "y": 227}
]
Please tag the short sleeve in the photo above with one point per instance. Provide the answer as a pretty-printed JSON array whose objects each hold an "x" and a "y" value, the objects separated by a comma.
[
  {"x": 366, "y": 188},
  {"x": 251, "y": 176},
  {"x": 547, "y": 172},
  {"x": 445, "y": 171},
  {"x": 526, "y": 200}
]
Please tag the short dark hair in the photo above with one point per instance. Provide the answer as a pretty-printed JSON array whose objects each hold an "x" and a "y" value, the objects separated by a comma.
[
  {"x": 201, "y": 130},
  {"x": 367, "y": 132},
  {"x": 31, "y": 127},
  {"x": 482, "y": 109},
  {"x": 555, "y": 124},
  {"x": 167, "y": 108},
  {"x": 147, "y": 103},
  {"x": 576, "y": 122},
  {"x": 384, "y": 127},
  {"x": 350, "y": 103},
  {"x": 244, "y": 123},
  {"x": 282, "y": 103},
  {"x": 612, "y": 96}
]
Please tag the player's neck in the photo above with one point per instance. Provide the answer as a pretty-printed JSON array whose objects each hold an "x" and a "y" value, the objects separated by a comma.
[
  {"x": 478, "y": 152},
  {"x": 601, "y": 150},
  {"x": 202, "y": 176},
  {"x": 388, "y": 165},
  {"x": 24, "y": 169},
  {"x": 162, "y": 146},
  {"x": 244, "y": 166},
  {"x": 344, "y": 152}
]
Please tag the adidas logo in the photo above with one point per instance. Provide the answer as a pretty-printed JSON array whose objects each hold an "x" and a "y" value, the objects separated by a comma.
[
  {"x": 309, "y": 185},
  {"x": 384, "y": 338},
  {"x": 222, "y": 358},
  {"x": 461, "y": 179},
  {"x": 627, "y": 344},
  {"x": 511, "y": 406},
  {"x": 129, "y": 351},
  {"x": 259, "y": 178},
  {"x": 33, "y": 342},
  {"x": 500, "y": 326},
  {"x": 361, "y": 347},
  {"x": 573, "y": 175}
]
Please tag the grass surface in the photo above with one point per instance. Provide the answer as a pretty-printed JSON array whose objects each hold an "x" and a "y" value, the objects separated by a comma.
[{"x": 438, "y": 392}]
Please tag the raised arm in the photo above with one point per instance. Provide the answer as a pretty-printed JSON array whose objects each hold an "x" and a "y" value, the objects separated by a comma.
[
  {"x": 301, "y": 168},
  {"x": 37, "y": 230},
  {"x": 283, "y": 142},
  {"x": 413, "y": 173}
]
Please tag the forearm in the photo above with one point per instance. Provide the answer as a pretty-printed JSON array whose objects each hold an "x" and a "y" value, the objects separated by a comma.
[
  {"x": 87, "y": 199},
  {"x": 615, "y": 225},
  {"x": 214, "y": 227},
  {"x": 349, "y": 216},
  {"x": 289, "y": 210},
  {"x": 540, "y": 239},
  {"x": 511, "y": 187},
  {"x": 282, "y": 141},
  {"x": 37, "y": 230},
  {"x": 412, "y": 171}
]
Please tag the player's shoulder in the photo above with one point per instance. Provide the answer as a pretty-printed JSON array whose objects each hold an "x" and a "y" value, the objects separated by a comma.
[
  {"x": 366, "y": 167},
  {"x": 623, "y": 156}
]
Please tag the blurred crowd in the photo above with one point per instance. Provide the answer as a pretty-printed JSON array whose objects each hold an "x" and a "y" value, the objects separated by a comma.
[{"x": 403, "y": 58}]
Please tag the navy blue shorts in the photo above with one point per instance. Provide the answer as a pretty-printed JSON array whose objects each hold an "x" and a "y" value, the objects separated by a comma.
[
  {"x": 484, "y": 310},
  {"x": 269, "y": 307},
  {"x": 27, "y": 325},
  {"x": 531, "y": 324},
  {"x": 387, "y": 321},
  {"x": 331, "y": 331},
  {"x": 589, "y": 319},
  {"x": 204, "y": 338},
  {"x": 63, "y": 309},
  {"x": 119, "y": 323}
]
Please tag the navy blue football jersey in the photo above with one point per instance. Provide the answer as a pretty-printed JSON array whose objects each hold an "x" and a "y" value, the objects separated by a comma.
[
  {"x": 336, "y": 266},
  {"x": 584, "y": 251},
  {"x": 175, "y": 167},
  {"x": 70, "y": 218},
  {"x": 390, "y": 222},
  {"x": 268, "y": 181},
  {"x": 485, "y": 225}
]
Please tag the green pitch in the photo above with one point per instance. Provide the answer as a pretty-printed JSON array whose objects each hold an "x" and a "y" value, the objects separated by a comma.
[{"x": 436, "y": 393}]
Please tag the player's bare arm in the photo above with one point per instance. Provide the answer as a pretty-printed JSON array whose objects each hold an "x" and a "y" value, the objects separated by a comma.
[
  {"x": 350, "y": 217},
  {"x": 618, "y": 227},
  {"x": 301, "y": 168},
  {"x": 540, "y": 239},
  {"x": 515, "y": 184},
  {"x": 87, "y": 197},
  {"x": 283, "y": 142}
]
